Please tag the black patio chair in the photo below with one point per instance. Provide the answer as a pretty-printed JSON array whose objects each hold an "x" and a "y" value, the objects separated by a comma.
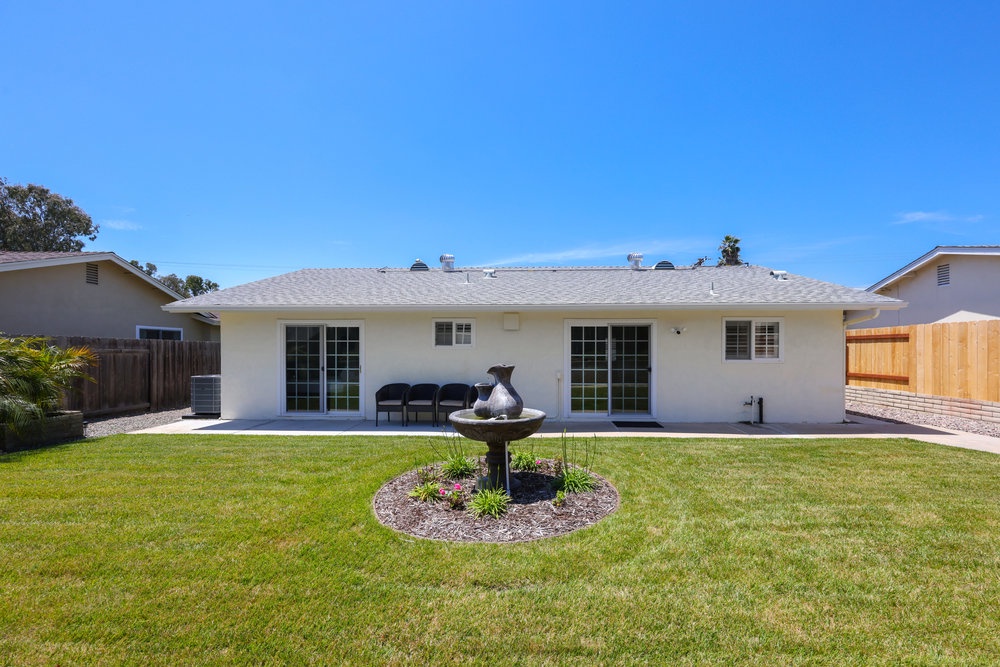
[
  {"x": 450, "y": 397},
  {"x": 420, "y": 398},
  {"x": 391, "y": 398}
]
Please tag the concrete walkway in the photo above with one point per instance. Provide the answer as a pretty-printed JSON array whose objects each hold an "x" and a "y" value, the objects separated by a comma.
[{"x": 857, "y": 427}]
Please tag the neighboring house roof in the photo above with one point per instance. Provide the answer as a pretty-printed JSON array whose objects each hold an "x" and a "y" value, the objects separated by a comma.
[
  {"x": 560, "y": 288},
  {"x": 17, "y": 261},
  {"x": 939, "y": 251}
]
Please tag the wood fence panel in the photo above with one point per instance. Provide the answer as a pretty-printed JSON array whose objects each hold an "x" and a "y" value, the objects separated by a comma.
[
  {"x": 134, "y": 375},
  {"x": 993, "y": 359},
  {"x": 916, "y": 371},
  {"x": 954, "y": 359}
]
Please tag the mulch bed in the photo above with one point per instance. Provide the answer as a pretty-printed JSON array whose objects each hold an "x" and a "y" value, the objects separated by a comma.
[{"x": 530, "y": 516}]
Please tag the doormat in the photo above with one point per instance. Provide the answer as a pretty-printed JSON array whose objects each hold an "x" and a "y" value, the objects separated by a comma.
[{"x": 625, "y": 424}]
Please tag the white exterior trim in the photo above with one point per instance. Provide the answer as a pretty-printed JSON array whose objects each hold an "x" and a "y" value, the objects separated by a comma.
[
  {"x": 753, "y": 322},
  {"x": 939, "y": 251},
  {"x": 140, "y": 327},
  {"x": 654, "y": 380},
  {"x": 280, "y": 379}
]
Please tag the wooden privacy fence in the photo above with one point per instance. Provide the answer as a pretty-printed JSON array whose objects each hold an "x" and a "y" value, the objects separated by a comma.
[
  {"x": 133, "y": 375},
  {"x": 955, "y": 359}
]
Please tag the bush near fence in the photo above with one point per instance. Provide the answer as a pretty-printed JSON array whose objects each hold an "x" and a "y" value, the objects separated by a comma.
[
  {"x": 951, "y": 368},
  {"x": 137, "y": 375}
]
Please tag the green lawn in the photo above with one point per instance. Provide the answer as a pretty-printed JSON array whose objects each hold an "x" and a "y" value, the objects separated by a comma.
[{"x": 216, "y": 549}]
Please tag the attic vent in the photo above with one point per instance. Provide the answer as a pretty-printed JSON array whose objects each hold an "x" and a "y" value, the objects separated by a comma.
[
  {"x": 635, "y": 259},
  {"x": 447, "y": 262},
  {"x": 779, "y": 275},
  {"x": 944, "y": 274},
  {"x": 419, "y": 265},
  {"x": 489, "y": 273},
  {"x": 663, "y": 265},
  {"x": 91, "y": 274}
]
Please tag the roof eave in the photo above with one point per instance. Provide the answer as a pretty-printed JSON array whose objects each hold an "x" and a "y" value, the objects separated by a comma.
[
  {"x": 90, "y": 258},
  {"x": 926, "y": 258},
  {"x": 577, "y": 307}
]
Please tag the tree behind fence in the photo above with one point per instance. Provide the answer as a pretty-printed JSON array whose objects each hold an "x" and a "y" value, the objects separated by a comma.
[{"x": 134, "y": 375}]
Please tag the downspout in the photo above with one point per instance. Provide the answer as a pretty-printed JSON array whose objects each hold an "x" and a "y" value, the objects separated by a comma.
[{"x": 862, "y": 316}]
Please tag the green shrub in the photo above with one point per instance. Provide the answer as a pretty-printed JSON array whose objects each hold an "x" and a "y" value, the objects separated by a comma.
[
  {"x": 426, "y": 491},
  {"x": 427, "y": 475},
  {"x": 575, "y": 477},
  {"x": 575, "y": 480},
  {"x": 489, "y": 502},
  {"x": 458, "y": 467},
  {"x": 525, "y": 461},
  {"x": 456, "y": 464},
  {"x": 34, "y": 375}
]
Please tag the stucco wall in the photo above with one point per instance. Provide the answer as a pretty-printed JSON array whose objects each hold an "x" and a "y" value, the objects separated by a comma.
[
  {"x": 972, "y": 288},
  {"x": 691, "y": 382},
  {"x": 58, "y": 301}
]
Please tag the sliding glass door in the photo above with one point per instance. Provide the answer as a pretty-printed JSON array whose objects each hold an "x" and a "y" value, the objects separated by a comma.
[
  {"x": 610, "y": 369},
  {"x": 322, "y": 368}
]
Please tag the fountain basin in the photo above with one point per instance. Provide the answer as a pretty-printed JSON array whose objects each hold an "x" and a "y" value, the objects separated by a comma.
[{"x": 494, "y": 430}]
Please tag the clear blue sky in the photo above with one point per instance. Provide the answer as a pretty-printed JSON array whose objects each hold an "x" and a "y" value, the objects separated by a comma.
[{"x": 239, "y": 140}]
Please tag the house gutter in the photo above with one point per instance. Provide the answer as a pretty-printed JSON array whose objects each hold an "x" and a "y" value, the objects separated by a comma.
[
  {"x": 857, "y": 316},
  {"x": 481, "y": 307}
]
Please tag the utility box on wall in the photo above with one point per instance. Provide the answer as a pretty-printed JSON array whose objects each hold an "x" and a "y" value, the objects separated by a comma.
[{"x": 206, "y": 394}]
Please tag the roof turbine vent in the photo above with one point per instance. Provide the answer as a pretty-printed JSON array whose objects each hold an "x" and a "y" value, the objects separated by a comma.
[
  {"x": 447, "y": 262},
  {"x": 635, "y": 259},
  {"x": 419, "y": 265}
]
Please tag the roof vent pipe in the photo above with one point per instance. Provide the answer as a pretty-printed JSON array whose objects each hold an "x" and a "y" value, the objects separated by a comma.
[
  {"x": 635, "y": 259},
  {"x": 447, "y": 262}
]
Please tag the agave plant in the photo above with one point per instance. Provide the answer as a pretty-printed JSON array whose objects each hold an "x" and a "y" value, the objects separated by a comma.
[{"x": 33, "y": 376}]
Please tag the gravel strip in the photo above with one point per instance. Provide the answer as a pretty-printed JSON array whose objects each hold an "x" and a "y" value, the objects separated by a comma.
[
  {"x": 100, "y": 427},
  {"x": 899, "y": 415}
]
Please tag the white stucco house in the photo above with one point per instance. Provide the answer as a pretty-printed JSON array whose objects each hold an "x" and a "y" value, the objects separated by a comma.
[
  {"x": 95, "y": 294},
  {"x": 948, "y": 284},
  {"x": 630, "y": 342}
]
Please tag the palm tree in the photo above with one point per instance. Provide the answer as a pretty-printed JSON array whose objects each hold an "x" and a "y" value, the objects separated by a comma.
[
  {"x": 730, "y": 250},
  {"x": 33, "y": 376}
]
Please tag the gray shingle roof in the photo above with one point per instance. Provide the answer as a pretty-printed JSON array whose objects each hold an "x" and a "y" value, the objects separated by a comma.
[
  {"x": 561, "y": 288},
  {"x": 9, "y": 257}
]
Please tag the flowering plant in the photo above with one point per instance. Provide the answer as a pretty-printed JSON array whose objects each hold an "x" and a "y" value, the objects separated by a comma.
[{"x": 455, "y": 497}]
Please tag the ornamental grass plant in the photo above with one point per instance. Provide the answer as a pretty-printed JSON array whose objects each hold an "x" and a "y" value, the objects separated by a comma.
[
  {"x": 33, "y": 376},
  {"x": 222, "y": 550}
]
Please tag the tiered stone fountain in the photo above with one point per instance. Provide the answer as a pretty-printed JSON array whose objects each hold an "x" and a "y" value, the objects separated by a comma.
[{"x": 498, "y": 418}]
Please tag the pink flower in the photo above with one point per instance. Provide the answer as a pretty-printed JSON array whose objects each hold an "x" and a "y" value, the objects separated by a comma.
[
  {"x": 458, "y": 487},
  {"x": 443, "y": 492},
  {"x": 538, "y": 462}
]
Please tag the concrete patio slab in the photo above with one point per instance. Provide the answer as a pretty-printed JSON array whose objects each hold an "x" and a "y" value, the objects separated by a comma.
[{"x": 857, "y": 427}]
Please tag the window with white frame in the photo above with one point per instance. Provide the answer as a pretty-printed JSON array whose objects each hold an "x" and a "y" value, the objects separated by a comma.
[
  {"x": 752, "y": 339},
  {"x": 453, "y": 333},
  {"x": 158, "y": 333}
]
